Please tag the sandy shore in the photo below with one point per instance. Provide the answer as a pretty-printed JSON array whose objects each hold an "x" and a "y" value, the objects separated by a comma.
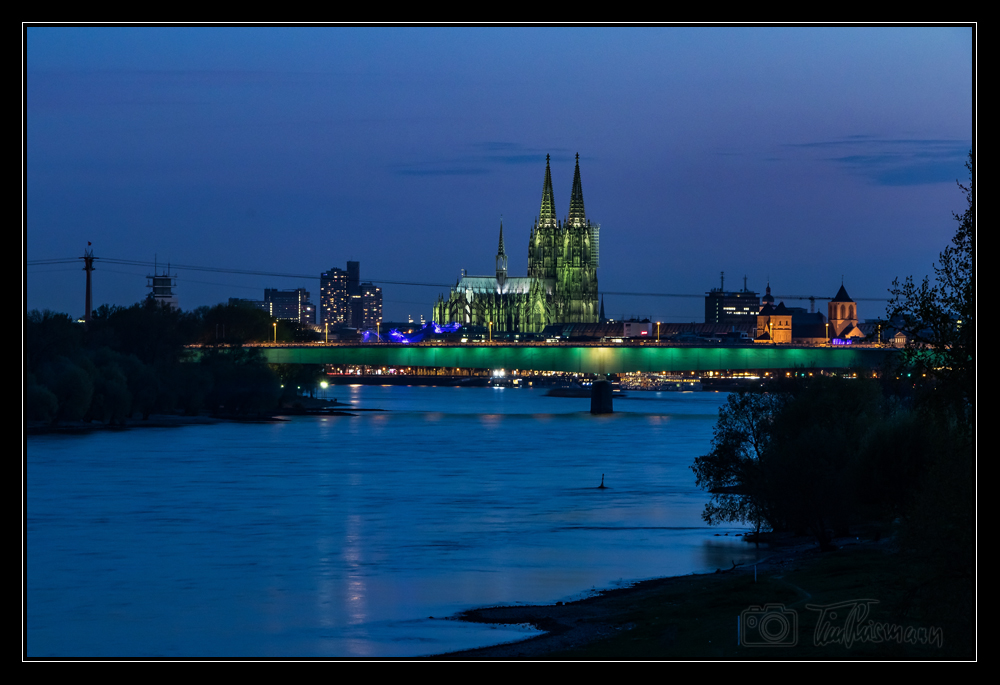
[{"x": 574, "y": 630}]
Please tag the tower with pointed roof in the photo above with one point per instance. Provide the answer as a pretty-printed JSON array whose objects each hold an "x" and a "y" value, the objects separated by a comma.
[
  {"x": 501, "y": 259},
  {"x": 842, "y": 313},
  {"x": 544, "y": 237},
  {"x": 576, "y": 268}
]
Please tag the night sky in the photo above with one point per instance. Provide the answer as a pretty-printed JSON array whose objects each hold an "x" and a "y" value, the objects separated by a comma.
[{"x": 799, "y": 155}]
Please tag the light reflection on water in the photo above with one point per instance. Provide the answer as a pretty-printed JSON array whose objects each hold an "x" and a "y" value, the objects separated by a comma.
[{"x": 343, "y": 535}]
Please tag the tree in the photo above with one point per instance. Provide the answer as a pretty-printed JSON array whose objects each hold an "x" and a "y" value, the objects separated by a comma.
[
  {"x": 71, "y": 386},
  {"x": 734, "y": 471},
  {"x": 804, "y": 456},
  {"x": 242, "y": 383},
  {"x": 817, "y": 455},
  {"x": 153, "y": 332},
  {"x": 298, "y": 379},
  {"x": 939, "y": 317},
  {"x": 236, "y": 323},
  {"x": 48, "y": 335}
]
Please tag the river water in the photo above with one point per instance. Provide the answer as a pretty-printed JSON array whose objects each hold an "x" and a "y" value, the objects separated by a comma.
[{"x": 359, "y": 535}]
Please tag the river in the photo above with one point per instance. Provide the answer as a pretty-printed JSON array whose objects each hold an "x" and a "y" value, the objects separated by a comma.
[{"x": 359, "y": 535}]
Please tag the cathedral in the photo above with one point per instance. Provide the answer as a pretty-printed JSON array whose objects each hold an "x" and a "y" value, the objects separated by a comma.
[{"x": 561, "y": 285}]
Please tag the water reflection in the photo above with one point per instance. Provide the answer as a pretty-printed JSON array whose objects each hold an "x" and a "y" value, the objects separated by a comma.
[{"x": 341, "y": 535}]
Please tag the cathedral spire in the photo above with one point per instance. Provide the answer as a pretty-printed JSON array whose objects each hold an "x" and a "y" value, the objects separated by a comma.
[
  {"x": 501, "y": 259},
  {"x": 577, "y": 216},
  {"x": 547, "y": 215}
]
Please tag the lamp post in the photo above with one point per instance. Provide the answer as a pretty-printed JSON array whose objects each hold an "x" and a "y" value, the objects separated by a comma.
[
  {"x": 275, "y": 324},
  {"x": 326, "y": 331},
  {"x": 657, "y": 331}
]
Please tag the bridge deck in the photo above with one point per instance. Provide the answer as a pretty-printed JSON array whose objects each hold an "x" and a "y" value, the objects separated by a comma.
[{"x": 584, "y": 358}]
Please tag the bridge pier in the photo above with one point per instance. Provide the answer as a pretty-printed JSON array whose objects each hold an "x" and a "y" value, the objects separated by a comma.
[{"x": 601, "y": 397}]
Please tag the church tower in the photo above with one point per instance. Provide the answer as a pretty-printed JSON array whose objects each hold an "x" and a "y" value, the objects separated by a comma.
[
  {"x": 842, "y": 313},
  {"x": 576, "y": 277},
  {"x": 543, "y": 242}
]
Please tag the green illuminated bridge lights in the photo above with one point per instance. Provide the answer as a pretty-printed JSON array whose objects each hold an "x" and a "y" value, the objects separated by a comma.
[{"x": 596, "y": 359}]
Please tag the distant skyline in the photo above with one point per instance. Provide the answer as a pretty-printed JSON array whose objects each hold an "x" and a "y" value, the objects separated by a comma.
[{"x": 799, "y": 155}]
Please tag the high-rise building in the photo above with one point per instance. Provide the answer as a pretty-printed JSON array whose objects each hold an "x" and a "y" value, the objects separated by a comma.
[
  {"x": 258, "y": 304},
  {"x": 334, "y": 298},
  {"x": 736, "y": 307},
  {"x": 346, "y": 301},
  {"x": 371, "y": 305},
  {"x": 353, "y": 277},
  {"x": 291, "y": 305},
  {"x": 561, "y": 285}
]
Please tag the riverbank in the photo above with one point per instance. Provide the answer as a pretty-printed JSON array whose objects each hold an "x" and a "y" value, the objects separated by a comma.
[
  {"x": 915, "y": 615},
  {"x": 290, "y": 407},
  {"x": 154, "y": 421}
]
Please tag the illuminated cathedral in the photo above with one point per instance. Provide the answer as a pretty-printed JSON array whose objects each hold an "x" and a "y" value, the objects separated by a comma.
[{"x": 561, "y": 285}]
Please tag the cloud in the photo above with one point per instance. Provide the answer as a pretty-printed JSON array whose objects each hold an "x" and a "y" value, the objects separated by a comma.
[
  {"x": 483, "y": 159},
  {"x": 896, "y": 162},
  {"x": 454, "y": 171}
]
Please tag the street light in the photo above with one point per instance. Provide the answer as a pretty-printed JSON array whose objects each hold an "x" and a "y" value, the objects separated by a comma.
[{"x": 275, "y": 324}]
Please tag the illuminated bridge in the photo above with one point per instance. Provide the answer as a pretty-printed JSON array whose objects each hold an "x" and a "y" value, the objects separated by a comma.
[{"x": 598, "y": 359}]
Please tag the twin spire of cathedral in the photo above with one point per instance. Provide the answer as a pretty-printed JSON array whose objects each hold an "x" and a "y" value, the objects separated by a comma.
[
  {"x": 577, "y": 217},
  {"x": 547, "y": 213}
]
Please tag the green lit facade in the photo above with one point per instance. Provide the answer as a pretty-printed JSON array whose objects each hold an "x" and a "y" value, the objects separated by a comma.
[{"x": 561, "y": 285}]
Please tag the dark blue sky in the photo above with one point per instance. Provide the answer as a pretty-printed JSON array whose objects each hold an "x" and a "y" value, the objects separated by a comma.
[{"x": 802, "y": 155}]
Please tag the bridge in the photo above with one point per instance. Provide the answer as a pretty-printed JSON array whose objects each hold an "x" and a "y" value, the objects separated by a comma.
[{"x": 584, "y": 358}]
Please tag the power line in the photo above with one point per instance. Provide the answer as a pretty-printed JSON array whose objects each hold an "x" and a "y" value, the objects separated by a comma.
[
  {"x": 214, "y": 269},
  {"x": 777, "y": 297},
  {"x": 273, "y": 274},
  {"x": 611, "y": 292}
]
